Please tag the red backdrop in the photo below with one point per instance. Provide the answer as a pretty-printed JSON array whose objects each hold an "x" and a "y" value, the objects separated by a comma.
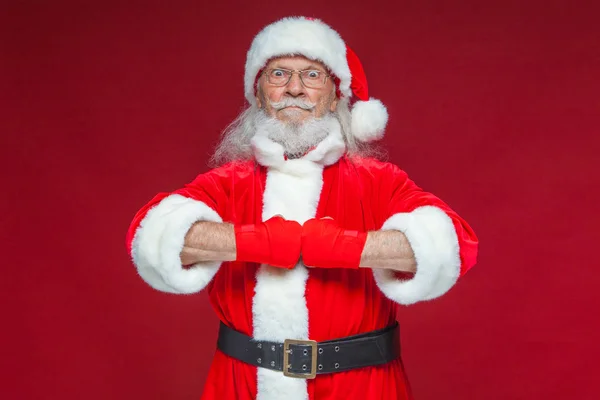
[{"x": 494, "y": 107}]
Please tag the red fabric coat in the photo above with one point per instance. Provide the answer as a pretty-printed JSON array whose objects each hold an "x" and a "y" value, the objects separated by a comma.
[{"x": 274, "y": 304}]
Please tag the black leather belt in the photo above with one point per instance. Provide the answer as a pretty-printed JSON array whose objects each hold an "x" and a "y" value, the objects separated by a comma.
[{"x": 307, "y": 358}]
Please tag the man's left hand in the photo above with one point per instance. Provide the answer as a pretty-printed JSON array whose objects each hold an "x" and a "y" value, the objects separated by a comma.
[{"x": 326, "y": 245}]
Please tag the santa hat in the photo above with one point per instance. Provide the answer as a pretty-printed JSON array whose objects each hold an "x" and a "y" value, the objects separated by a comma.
[{"x": 315, "y": 40}]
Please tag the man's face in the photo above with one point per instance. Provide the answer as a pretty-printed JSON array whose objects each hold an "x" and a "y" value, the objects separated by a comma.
[{"x": 319, "y": 101}]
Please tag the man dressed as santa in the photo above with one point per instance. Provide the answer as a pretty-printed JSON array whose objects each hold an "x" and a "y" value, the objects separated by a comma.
[{"x": 305, "y": 242}]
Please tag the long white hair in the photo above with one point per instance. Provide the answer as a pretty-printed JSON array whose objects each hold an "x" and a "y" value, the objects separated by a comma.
[{"x": 235, "y": 143}]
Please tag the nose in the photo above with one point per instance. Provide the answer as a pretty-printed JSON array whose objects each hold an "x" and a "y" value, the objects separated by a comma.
[{"x": 295, "y": 87}]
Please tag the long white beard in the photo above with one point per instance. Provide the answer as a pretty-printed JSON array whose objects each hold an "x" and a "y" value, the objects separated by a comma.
[{"x": 296, "y": 138}]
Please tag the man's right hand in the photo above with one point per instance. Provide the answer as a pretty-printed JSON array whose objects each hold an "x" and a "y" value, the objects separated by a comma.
[{"x": 275, "y": 242}]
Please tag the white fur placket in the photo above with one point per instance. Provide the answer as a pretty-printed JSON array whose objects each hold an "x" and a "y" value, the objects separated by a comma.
[{"x": 279, "y": 311}]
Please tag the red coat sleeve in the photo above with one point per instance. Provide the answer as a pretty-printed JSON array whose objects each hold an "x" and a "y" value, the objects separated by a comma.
[
  {"x": 444, "y": 244},
  {"x": 156, "y": 235}
]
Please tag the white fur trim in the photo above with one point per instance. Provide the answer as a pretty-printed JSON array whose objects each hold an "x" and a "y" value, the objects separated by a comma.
[
  {"x": 434, "y": 242},
  {"x": 297, "y": 35},
  {"x": 158, "y": 242},
  {"x": 369, "y": 119},
  {"x": 279, "y": 307}
]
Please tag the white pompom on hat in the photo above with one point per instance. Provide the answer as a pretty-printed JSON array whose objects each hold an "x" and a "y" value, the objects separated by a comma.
[{"x": 315, "y": 40}]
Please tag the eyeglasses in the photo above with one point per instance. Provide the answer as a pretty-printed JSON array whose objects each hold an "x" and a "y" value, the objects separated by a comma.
[{"x": 311, "y": 78}]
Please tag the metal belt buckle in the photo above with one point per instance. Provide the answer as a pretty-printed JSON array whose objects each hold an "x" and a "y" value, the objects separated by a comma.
[{"x": 286, "y": 358}]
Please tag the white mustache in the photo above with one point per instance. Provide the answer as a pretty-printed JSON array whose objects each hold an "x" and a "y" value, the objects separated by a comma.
[{"x": 293, "y": 102}]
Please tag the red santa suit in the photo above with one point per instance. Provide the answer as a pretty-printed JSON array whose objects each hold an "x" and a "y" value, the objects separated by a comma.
[{"x": 275, "y": 304}]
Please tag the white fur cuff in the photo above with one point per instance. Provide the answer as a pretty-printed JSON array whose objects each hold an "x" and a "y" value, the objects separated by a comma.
[
  {"x": 433, "y": 239},
  {"x": 158, "y": 242}
]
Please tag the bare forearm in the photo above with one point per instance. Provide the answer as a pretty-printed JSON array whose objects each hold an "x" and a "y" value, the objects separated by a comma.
[
  {"x": 209, "y": 241},
  {"x": 388, "y": 250}
]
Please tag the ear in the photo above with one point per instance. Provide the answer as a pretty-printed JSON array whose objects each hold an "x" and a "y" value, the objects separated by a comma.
[
  {"x": 333, "y": 105},
  {"x": 258, "y": 96}
]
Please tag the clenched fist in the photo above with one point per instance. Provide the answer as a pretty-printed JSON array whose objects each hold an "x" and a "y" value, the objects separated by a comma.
[
  {"x": 326, "y": 245},
  {"x": 276, "y": 242}
]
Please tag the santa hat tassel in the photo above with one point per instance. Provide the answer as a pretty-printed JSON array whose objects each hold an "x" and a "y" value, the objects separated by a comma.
[
  {"x": 369, "y": 115},
  {"x": 369, "y": 119}
]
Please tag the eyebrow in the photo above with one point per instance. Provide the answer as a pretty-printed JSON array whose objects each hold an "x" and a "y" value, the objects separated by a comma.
[{"x": 310, "y": 67}]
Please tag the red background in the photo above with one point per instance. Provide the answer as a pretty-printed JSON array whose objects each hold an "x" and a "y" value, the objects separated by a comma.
[{"x": 494, "y": 107}]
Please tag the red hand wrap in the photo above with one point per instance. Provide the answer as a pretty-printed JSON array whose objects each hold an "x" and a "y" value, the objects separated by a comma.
[
  {"x": 326, "y": 245},
  {"x": 276, "y": 242}
]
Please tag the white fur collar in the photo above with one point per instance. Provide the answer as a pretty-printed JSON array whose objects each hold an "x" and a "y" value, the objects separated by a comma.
[{"x": 271, "y": 154}]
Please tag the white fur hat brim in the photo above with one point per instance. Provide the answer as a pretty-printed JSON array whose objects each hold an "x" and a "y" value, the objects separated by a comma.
[{"x": 292, "y": 36}]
